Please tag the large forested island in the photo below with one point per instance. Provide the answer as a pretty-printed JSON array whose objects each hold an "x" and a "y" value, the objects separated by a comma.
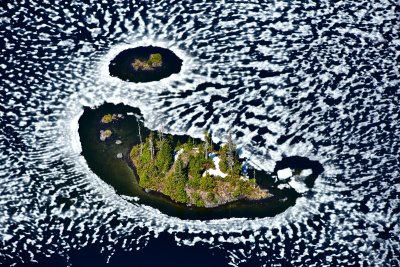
[
  {"x": 194, "y": 174},
  {"x": 183, "y": 176}
]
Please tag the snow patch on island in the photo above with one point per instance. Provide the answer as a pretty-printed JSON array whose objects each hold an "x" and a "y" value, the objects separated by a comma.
[
  {"x": 306, "y": 172},
  {"x": 217, "y": 171},
  {"x": 176, "y": 156}
]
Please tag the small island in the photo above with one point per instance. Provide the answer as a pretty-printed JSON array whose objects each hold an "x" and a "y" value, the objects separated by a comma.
[
  {"x": 145, "y": 64},
  {"x": 193, "y": 174}
]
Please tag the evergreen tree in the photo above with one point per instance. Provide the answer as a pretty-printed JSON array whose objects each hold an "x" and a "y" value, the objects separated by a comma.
[
  {"x": 181, "y": 179},
  {"x": 164, "y": 158},
  {"x": 206, "y": 144},
  {"x": 190, "y": 143},
  {"x": 180, "y": 170},
  {"x": 151, "y": 145},
  {"x": 140, "y": 138},
  {"x": 196, "y": 165},
  {"x": 161, "y": 133},
  {"x": 231, "y": 151},
  {"x": 223, "y": 163},
  {"x": 175, "y": 183}
]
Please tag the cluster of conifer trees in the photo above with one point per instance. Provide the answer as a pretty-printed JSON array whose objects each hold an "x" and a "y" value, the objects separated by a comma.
[{"x": 157, "y": 170}]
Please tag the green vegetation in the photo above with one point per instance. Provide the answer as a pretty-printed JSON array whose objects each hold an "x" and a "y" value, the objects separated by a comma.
[
  {"x": 197, "y": 200},
  {"x": 186, "y": 180},
  {"x": 197, "y": 164},
  {"x": 107, "y": 118},
  {"x": 164, "y": 159},
  {"x": 235, "y": 168},
  {"x": 207, "y": 183},
  {"x": 154, "y": 61},
  {"x": 175, "y": 183},
  {"x": 104, "y": 134}
]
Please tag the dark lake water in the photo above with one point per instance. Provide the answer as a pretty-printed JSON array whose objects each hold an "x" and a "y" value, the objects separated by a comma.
[{"x": 297, "y": 82}]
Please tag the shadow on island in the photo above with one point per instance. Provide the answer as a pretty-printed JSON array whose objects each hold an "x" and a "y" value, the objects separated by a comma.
[
  {"x": 110, "y": 161},
  {"x": 145, "y": 64}
]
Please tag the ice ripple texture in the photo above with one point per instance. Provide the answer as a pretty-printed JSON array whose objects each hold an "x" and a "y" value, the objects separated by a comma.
[{"x": 315, "y": 79}]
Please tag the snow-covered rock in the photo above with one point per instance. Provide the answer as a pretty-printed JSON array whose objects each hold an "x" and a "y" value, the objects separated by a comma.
[
  {"x": 298, "y": 185},
  {"x": 284, "y": 173},
  {"x": 104, "y": 134},
  {"x": 306, "y": 172}
]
